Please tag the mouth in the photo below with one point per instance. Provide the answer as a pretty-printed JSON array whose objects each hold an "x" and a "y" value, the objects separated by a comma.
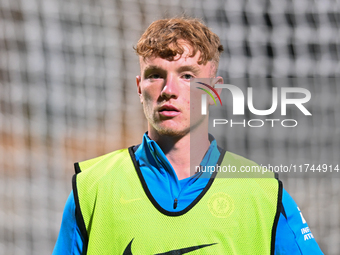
[{"x": 168, "y": 111}]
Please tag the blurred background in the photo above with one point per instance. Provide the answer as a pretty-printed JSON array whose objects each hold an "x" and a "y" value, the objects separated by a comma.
[{"x": 68, "y": 93}]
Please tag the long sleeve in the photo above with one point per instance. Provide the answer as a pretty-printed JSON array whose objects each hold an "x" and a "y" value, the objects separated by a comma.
[
  {"x": 292, "y": 234},
  {"x": 70, "y": 241}
]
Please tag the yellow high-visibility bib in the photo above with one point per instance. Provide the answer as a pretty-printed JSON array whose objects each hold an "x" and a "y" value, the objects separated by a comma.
[{"x": 118, "y": 215}]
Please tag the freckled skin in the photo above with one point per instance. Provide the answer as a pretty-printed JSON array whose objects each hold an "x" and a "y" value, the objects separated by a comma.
[
  {"x": 164, "y": 82},
  {"x": 175, "y": 123}
]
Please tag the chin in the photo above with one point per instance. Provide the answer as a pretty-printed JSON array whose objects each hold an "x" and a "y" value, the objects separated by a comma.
[{"x": 172, "y": 132}]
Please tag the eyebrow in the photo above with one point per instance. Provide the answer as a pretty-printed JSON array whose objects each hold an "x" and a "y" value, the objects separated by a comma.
[
  {"x": 152, "y": 67},
  {"x": 149, "y": 69},
  {"x": 191, "y": 68}
]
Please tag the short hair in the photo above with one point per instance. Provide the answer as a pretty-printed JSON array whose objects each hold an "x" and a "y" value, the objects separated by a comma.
[{"x": 163, "y": 39}]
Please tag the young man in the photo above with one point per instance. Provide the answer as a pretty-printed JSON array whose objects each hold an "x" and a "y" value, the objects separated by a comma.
[{"x": 143, "y": 200}]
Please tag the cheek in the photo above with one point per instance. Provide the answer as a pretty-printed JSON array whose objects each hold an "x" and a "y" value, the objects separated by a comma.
[
  {"x": 151, "y": 92},
  {"x": 147, "y": 94},
  {"x": 187, "y": 103},
  {"x": 195, "y": 104},
  {"x": 188, "y": 107},
  {"x": 148, "y": 102}
]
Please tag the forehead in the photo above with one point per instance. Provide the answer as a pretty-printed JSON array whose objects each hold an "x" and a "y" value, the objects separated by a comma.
[
  {"x": 182, "y": 60},
  {"x": 179, "y": 63},
  {"x": 188, "y": 50}
]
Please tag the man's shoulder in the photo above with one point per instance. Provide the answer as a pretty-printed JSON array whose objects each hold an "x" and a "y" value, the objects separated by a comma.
[
  {"x": 114, "y": 166},
  {"x": 238, "y": 159},
  {"x": 90, "y": 162},
  {"x": 104, "y": 163},
  {"x": 241, "y": 167}
]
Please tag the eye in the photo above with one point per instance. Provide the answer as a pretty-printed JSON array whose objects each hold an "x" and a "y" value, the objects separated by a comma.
[
  {"x": 154, "y": 76},
  {"x": 187, "y": 76}
]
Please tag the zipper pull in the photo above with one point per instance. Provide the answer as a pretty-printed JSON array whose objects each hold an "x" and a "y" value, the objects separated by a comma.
[{"x": 175, "y": 203}]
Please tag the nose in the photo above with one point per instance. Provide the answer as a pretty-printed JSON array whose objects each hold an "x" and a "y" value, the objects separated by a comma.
[{"x": 171, "y": 88}]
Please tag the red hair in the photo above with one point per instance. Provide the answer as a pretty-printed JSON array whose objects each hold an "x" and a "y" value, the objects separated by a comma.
[{"x": 163, "y": 39}]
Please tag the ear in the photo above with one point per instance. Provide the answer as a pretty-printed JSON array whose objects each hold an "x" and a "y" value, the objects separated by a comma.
[
  {"x": 139, "y": 91},
  {"x": 219, "y": 80}
]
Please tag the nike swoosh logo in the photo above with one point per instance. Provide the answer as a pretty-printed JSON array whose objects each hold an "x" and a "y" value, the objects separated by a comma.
[
  {"x": 128, "y": 251},
  {"x": 124, "y": 201}
]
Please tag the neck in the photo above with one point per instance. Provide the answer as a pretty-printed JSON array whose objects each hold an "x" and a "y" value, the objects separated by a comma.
[{"x": 183, "y": 152}]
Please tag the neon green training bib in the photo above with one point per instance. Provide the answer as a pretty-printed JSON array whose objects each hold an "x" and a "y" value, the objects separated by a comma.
[{"x": 117, "y": 214}]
